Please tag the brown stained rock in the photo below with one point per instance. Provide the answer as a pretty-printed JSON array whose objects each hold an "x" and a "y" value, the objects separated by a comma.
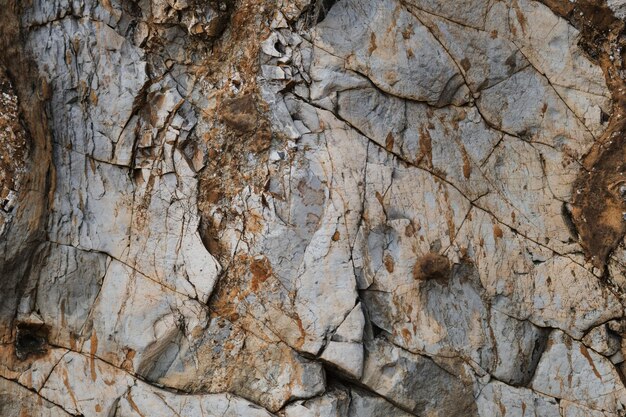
[
  {"x": 261, "y": 271},
  {"x": 389, "y": 141},
  {"x": 205, "y": 19},
  {"x": 241, "y": 127},
  {"x": 432, "y": 266},
  {"x": 314, "y": 183},
  {"x": 26, "y": 175},
  {"x": 13, "y": 143},
  {"x": 598, "y": 207},
  {"x": 389, "y": 263},
  {"x": 240, "y": 113},
  {"x": 497, "y": 232},
  {"x": 599, "y": 204}
]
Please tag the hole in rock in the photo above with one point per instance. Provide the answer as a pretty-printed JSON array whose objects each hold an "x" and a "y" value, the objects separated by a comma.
[
  {"x": 318, "y": 11},
  {"x": 280, "y": 47},
  {"x": 31, "y": 339}
]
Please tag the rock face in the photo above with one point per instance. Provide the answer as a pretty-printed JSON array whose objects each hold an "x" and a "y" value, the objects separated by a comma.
[{"x": 312, "y": 208}]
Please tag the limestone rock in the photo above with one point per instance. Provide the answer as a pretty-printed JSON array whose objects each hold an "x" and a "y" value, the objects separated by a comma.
[
  {"x": 345, "y": 349},
  {"x": 570, "y": 409},
  {"x": 498, "y": 399},
  {"x": 570, "y": 371},
  {"x": 312, "y": 208},
  {"x": 415, "y": 382},
  {"x": 17, "y": 401},
  {"x": 602, "y": 340}
]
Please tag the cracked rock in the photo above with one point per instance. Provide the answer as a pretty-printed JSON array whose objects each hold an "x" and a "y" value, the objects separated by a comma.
[{"x": 312, "y": 208}]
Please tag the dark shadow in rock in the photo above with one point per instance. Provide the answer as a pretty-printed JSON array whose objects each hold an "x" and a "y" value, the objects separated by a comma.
[
  {"x": 317, "y": 12},
  {"x": 31, "y": 339}
]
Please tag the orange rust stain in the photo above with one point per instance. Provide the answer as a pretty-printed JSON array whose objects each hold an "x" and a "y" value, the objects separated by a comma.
[
  {"x": 372, "y": 45},
  {"x": 389, "y": 141},
  {"x": 133, "y": 405},
  {"x": 261, "y": 270},
  {"x": 497, "y": 232},
  {"x": 109, "y": 382},
  {"x": 92, "y": 165},
  {"x": 98, "y": 408},
  {"x": 66, "y": 382},
  {"x": 449, "y": 215},
  {"x": 336, "y": 236},
  {"x": 585, "y": 352},
  {"x": 127, "y": 365},
  {"x": 254, "y": 223},
  {"x": 300, "y": 340},
  {"x": 465, "y": 63},
  {"x": 426, "y": 148},
  {"x": 380, "y": 199},
  {"x": 214, "y": 196},
  {"x": 406, "y": 335},
  {"x": 93, "y": 97},
  {"x": 44, "y": 89},
  {"x": 407, "y": 32},
  {"x": 225, "y": 305},
  {"x": 502, "y": 408},
  {"x": 520, "y": 16},
  {"x": 72, "y": 341},
  {"x": 467, "y": 167},
  {"x": 389, "y": 263},
  {"x": 92, "y": 353},
  {"x": 107, "y": 5}
]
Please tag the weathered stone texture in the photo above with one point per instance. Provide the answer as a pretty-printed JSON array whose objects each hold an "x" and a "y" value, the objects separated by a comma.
[{"x": 312, "y": 208}]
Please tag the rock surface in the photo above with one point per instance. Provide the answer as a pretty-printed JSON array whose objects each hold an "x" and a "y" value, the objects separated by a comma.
[{"x": 312, "y": 208}]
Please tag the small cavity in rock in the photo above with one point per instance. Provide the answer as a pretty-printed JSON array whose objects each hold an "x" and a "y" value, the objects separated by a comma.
[{"x": 31, "y": 339}]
